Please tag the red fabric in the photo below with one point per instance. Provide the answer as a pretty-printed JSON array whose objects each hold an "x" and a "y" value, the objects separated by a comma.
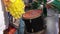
[{"x": 10, "y": 30}]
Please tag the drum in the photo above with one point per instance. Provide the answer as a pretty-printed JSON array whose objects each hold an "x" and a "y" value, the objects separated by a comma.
[{"x": 34, "y": 21}]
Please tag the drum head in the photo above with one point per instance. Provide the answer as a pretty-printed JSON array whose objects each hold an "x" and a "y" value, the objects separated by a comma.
[{"x": 31, "y": 14}]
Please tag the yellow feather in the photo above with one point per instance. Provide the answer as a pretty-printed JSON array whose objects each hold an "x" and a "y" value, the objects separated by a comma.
[{"x": 16, "y": 8}]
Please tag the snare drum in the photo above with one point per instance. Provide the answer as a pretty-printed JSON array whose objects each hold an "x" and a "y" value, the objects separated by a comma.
[{"x": 34, "y": 21}]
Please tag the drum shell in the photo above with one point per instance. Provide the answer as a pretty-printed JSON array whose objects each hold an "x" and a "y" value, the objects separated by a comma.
[{"x": 37, "y": 23}]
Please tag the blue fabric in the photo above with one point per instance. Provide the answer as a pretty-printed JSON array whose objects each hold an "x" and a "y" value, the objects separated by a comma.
[{"x": 21, "y": 28}]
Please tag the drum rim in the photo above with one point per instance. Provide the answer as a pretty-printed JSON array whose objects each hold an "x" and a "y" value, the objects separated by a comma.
[
  {"x": 33, "y": 17},
  {"x": 36, "y": 32}
]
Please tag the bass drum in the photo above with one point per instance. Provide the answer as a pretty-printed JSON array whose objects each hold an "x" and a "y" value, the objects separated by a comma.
[{"x": 34, "y": 22}]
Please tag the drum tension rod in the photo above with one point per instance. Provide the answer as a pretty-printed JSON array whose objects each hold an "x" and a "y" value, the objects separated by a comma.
[
  {"x": 32, "y": 28},
  {"x": 30, "y": 20}
]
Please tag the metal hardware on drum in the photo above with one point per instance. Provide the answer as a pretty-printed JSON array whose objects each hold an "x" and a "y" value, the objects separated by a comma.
[{"x": 30, "y": 20}]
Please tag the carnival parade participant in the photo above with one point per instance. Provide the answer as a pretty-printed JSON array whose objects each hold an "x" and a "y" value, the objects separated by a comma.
[{"x": 16, "y": 9}]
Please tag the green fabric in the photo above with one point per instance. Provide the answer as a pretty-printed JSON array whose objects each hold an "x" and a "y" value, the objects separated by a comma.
[
  {"x": 44, "y": 1},
  {"x": 56, "y": 5},
  {"x": 35, "y": 5}
]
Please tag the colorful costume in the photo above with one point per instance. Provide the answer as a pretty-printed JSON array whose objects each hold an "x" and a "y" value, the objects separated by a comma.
[{"x": 16, "y": 9}]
